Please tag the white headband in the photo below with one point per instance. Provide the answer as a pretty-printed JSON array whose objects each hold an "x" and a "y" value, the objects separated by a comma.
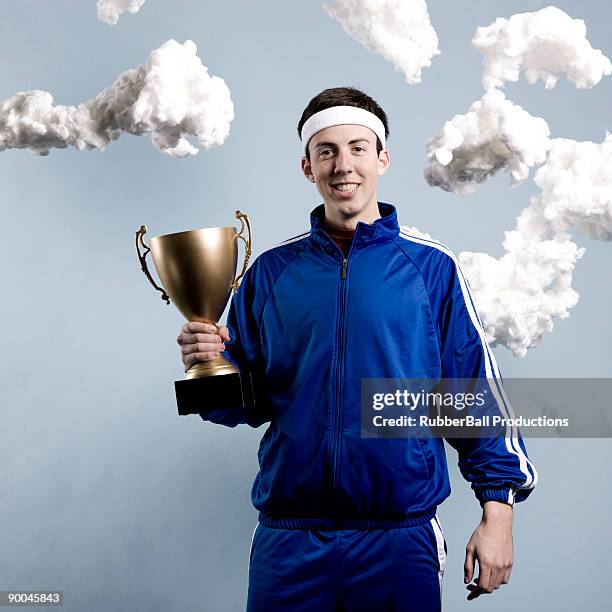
[{"x": 341, "y": 115}]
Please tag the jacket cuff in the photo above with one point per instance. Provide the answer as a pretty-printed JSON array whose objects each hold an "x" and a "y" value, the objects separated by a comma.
[{"x": 505, "y": 496}]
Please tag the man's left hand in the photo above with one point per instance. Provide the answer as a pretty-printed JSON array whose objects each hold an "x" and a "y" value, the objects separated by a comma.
[{"x": 491, "y": 545}]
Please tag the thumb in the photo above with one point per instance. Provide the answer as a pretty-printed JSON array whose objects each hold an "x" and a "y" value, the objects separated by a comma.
[
  {"x": 468, "y": 566},
  {"x": 224, "y": 333}
]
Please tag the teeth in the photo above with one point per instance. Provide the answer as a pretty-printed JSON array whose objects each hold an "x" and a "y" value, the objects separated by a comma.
[{"x": 346, "y": 187}]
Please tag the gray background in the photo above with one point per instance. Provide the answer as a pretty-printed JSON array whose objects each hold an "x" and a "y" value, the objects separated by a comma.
[{"x": 106, "y": 493}]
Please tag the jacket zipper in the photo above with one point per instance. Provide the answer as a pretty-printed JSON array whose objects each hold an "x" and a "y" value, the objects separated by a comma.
[{"x": 337, "y": 425}]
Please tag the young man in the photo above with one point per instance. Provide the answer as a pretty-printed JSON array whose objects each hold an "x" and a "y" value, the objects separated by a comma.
[{"x": 347, "y": 522}]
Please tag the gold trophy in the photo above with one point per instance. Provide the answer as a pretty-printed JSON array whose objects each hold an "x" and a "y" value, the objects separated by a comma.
[{"x": 197, "y": 270}]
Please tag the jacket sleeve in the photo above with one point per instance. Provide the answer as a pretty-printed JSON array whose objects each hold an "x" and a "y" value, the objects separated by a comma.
[
  {"x": 244, "y": 350},
  {"x": 498, "y": 468}
]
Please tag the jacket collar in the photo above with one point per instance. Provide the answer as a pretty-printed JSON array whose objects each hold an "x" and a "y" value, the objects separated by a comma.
[{"x": 382, "y": 230}]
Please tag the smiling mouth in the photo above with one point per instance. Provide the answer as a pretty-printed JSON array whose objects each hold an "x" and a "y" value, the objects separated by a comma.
[{"x": 345, "y": 187}]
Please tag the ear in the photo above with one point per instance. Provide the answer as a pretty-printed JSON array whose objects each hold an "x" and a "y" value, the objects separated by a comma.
[
  {"x": 384, "y": 161},
  {"x": 307, "y": 169}
]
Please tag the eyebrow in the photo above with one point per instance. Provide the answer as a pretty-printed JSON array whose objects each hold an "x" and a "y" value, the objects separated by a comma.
[{"x": 333, "y": 144}]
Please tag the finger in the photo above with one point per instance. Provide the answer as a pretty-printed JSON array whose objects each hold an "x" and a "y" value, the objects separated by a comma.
[
  {"x": 191, "y": 327},
  {"x": 195, "y": 327},
  {"x": 468, "y": 565},
  {"x": 504, "y": 574},
  {"x": 188, "y": 339},
  {"x": 484, "y": 580},
  {"x": 210, "y": 338},
  {"x": 186, "y": 336},
  {"x": 202, "y": 347},
  {"x": 180, "y": 339},
  {"x": 194, "y": 358},
  {"x": 224, "y": 333},
  {"x": 496, "y": 579},
  {"x": 476, "y": 591}
]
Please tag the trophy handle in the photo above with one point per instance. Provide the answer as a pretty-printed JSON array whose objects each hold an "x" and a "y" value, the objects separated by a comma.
[
  {"x": 143, "y": 263},
  {"x": 244, "y": 222}
]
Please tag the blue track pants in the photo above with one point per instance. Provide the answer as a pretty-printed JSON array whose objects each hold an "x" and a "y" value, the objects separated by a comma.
[{"x": 379, "y": 570}]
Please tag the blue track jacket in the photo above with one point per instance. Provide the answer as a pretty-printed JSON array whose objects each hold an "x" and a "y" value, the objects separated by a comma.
[{"x": 310, "y": 324}]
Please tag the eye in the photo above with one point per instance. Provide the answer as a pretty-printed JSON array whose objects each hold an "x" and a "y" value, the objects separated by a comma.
[
  {"x": 359, "y": 149},
  {"x": 324, "y": 152}
]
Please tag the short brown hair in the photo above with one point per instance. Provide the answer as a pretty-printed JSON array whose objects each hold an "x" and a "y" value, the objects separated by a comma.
[{"x": 344, "y": 96}]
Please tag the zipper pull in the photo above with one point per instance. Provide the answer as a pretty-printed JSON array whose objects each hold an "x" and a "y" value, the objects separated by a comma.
[{"x": 344, "y": 265}]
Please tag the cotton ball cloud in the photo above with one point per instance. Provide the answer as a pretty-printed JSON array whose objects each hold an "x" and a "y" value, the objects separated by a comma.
[
  {"x": 169, "y": 97},
  {"x": 520, "y": 294},
  {"x": 29, "y": 120},
  {"x": 494, "y": 134},
  {"x": 544, "y": 45},
  {"x": 109, "y": 11},
  {"x": 576, "y": 187},
  {"x": 400, "y": 31}
]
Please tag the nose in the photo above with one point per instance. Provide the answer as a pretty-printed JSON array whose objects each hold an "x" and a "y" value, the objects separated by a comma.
[{"x": 343, "y": 163}]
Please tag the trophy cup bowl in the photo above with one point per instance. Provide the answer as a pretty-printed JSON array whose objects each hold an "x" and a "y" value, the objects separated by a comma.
[{"x": 197, "y": 270}]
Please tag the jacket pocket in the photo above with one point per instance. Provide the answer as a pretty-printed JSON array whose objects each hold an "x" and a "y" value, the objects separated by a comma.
[{"x": 427, "y": 455}]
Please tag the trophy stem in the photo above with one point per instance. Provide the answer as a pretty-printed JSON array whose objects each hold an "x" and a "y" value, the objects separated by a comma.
[{"x": 214, "y": 367}]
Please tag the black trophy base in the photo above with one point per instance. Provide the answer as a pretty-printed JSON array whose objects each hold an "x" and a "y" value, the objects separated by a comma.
[{"x": 220, "y": 392}]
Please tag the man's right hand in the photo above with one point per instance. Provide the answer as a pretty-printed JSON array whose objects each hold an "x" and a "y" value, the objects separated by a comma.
[{"x": 201, "y": 342}]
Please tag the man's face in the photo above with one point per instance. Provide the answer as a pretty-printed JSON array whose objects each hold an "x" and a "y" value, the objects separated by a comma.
[{"x": 345, "y": 167}]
